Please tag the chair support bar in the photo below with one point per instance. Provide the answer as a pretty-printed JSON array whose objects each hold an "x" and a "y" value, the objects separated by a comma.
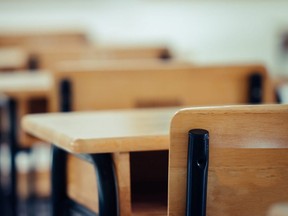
[
  {"x": 106, "y": 180},
  {"x": 197, "y": 172}
]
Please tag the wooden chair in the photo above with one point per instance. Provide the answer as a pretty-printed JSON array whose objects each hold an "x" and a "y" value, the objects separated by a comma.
[
  {"x": 244, "y": 156},
  {"x": 95, "y": 87}
]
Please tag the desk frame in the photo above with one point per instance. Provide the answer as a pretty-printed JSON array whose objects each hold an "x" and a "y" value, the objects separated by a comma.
[{"x": 104, "y": 170}]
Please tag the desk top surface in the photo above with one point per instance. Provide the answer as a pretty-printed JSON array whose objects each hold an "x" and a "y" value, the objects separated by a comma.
[
  {"x": 104, "y": 131},
  {"x": 12, "y": 58},
  {"x": 25, "y": 83}
]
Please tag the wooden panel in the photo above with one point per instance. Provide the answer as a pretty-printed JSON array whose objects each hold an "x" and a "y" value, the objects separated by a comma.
[
  {"x": 248, "y": 150},
  {"x": 83, "y": 190},
  {"x": 42, "y": 183},
  {"x": 122, "y": 169},
  {"x": 127, "y": 87},
  {"x": 12, "y": 59},
  {"x": 26, "y": 84},
  {"x": 49, "y": 57},
  {"x": 33, "y": 38}
]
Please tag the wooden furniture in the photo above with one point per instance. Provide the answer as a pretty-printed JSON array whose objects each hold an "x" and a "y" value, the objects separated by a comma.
[
  {"x": 47, "y": 57},
  {"x": 88, "y": 135},
  {"x": 21, "y": 93},
  {"x": 139, "y": 84},
  {"x": 97, "y": 86},
  {"x": 24, "y": 88},
  {"x": 247, "y": 171},
  {"x": 34, "y": 38},
  {"x": 12, "y": 59}
]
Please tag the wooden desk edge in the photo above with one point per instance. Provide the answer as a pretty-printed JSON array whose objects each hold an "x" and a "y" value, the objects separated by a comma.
[{"x": 80, "y": 146}]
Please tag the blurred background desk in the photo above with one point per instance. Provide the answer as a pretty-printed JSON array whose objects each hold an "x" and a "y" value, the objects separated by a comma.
[
  {"x": 12, "y": 59},
  {"x": 23, "y": 92}
]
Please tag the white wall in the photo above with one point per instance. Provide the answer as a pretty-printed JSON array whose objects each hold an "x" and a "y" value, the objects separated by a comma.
[{"x": 206, "y": 32}]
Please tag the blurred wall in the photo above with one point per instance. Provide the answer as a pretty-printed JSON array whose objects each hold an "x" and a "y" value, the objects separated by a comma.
[{"x": 203, "y": 31}]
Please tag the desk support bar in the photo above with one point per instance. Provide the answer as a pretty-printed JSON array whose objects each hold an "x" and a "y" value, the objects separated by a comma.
[
  {"x": 58, "y": 181},
  {"x": 197, "y": 172},
  {"x": 12, "y": 142},
  {"x": 103, "y": 164},
  {"x": 107, "y": 184}
]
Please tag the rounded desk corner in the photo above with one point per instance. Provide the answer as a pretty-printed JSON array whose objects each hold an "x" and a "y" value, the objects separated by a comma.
[{"x": 76, "y": 146}]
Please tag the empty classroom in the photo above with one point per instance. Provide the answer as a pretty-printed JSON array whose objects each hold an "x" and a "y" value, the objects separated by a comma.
[{"x": 147, "y": 108}]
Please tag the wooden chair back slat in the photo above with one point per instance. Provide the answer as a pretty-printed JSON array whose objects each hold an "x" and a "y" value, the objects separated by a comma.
[
  {"x": 247, "y": 160},
  {"x": 111, "y": 86}
]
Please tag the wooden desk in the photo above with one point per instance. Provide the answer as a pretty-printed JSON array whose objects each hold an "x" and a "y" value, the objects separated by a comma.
[
  {"x": 117, "y": 132},
  {"x": 12, "y": 59},
  {"x": 26, "y": 83},
  {"x": 21, "y": 92},
  {"x": 24, "y": 87}
]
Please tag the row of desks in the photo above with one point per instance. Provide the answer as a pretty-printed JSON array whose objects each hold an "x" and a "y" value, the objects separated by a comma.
[{"x": 91, "y": 132}]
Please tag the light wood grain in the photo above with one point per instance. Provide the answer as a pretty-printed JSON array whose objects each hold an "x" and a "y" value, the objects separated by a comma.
[
  {"x": 12, "y": 58},
  {"x": 26, "y": 84},
  {"x": 247, "y": 161},
  {"x": 36, "y": 37},
  {"x": 122, "y": 170},
  {"x": 103, "y": 131},
  {"x": 49, "y": 57},
  {"x": 82, "y": 183},
  {"x": 110, "y": 87}
]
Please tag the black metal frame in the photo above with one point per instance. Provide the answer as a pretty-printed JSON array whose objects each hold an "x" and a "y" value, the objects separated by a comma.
[
  {"x": 255, "y": 88},
  {"x": 13, "y": 147},
  {"x": 3, "y": 137},
  {"x": 197, "y": 172},
  {"x": 10, "y": 202},
  {"x": 78, "y": 209},
  {"x": 104, "y": 169}
]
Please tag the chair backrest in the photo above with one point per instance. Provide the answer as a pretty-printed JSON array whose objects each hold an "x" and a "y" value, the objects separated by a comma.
[
  {"x": 33, "y": 38},
  {"x": 248, "y": 151},
  {"x": 48, "y": 57},
  {"x": 154, "y": 84}
]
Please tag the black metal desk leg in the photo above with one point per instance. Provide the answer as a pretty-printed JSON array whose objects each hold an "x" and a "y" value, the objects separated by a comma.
[
  {"x": 197, "y": 172},
  {"x": 12, "y": 142},
  {"x": 107, "y": 184},
  {"x": 58, "y": 182}
]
